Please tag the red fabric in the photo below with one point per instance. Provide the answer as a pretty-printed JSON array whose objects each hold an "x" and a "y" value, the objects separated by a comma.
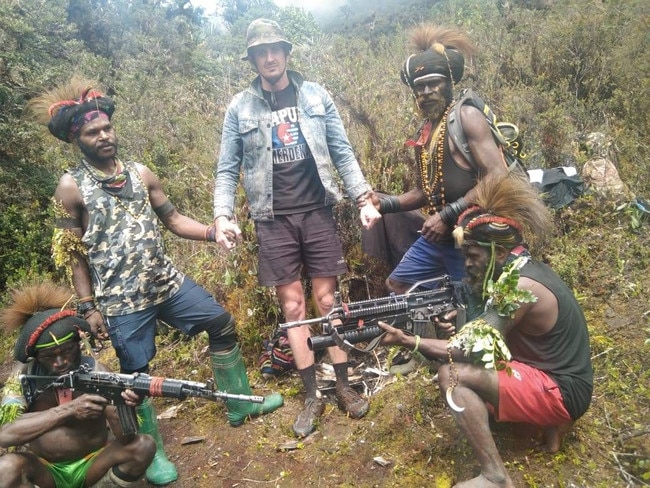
[{"x": 531, "y": 396}]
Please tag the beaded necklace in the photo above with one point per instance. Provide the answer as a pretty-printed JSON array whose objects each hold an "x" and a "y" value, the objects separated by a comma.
[
  {"x": 105, "y": 183},
  {"x": 431, "y": 168}
]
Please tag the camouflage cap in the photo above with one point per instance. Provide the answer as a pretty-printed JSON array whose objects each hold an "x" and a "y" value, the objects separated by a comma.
[{"x": 264, "y": 31}]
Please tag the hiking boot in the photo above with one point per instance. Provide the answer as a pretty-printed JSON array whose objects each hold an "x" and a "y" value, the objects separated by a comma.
[
  {"x": 304, "y": 424},
  {"x": 354, "y": 404}
]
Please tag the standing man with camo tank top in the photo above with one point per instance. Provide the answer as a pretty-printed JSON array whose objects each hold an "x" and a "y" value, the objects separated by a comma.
[{"x": 108, "y": 232}]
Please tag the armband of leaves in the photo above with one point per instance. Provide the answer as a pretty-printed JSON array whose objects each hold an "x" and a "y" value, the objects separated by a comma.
[
  {"x": 503, "y": 295},
  {"x": 65, "y": 242},
  {"x": 481, "y": 343},
  {"x": 13, "y": 403}
]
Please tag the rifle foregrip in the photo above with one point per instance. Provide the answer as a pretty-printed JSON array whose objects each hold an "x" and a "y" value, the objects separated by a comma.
[{"x": 355, "y": 336}]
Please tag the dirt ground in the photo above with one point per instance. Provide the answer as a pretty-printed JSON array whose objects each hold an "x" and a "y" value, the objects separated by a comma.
[{"x": 408, "y": 438}]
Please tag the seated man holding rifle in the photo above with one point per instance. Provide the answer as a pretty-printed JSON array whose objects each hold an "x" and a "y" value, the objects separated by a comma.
[
  {"x": 65, "y": 432},
  {"x": 526, "y": 358}
]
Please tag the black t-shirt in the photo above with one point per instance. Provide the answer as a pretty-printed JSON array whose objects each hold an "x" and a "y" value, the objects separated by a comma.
[{"x": 296, "y": 184}]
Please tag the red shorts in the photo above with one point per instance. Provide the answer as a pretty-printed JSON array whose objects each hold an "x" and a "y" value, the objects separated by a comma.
[{"x": 530, "y": 396}]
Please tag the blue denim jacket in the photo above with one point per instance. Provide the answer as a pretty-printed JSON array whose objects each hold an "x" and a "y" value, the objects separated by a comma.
[{"x": 246, "y": 147}]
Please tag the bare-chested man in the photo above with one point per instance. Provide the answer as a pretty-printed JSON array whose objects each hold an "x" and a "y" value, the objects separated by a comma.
[{"x": 65, "y": 434}]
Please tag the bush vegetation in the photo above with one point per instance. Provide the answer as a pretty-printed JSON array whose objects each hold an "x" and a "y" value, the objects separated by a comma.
[{"x": 559, "y": 69}]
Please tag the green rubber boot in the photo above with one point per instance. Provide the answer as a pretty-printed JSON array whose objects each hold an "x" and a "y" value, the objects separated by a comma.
[
  {"x": 161, "y": 471},
  {"x": 230, "y": 374}
]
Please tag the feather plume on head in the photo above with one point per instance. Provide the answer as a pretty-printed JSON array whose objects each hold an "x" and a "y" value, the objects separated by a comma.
[
  {"x": 43, "y": 313},
  {"x": 440, "y": 52},
  {"x": 507, "y": 211},
  {"x": 67, "y": 107}
]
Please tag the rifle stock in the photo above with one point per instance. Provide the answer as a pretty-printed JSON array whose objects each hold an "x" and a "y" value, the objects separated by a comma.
[
  {"x": 111, "y": 385},
  {"x": 413, "y": 311}
]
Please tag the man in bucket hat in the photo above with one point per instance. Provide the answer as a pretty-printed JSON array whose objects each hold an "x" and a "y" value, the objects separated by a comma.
[{"x": 286, "y": 136}]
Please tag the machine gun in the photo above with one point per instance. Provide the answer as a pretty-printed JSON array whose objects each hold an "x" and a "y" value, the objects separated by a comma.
[
  {"x": 111, "y": 385},
  {"x": 351, "y": 323}
]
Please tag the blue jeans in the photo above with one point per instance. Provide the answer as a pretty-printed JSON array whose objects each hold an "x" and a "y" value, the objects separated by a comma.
[
  {"x": 425, "y": 260},
  {"x": 133, "y": 335}
]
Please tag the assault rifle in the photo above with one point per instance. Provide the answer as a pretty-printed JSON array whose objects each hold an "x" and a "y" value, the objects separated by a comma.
[
  {"x": 111, "y": 385},
  {"x": 351, "y": 323}
]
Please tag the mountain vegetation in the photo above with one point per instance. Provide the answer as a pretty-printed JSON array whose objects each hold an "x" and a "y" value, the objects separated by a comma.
[{"x": 559, "y": 69}]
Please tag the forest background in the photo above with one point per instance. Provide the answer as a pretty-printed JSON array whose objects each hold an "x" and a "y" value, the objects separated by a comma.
[{"x": 559, "y": 69}]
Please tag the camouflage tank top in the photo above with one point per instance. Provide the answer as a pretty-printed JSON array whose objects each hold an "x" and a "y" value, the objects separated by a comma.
[{"x": 129, "y": 269}]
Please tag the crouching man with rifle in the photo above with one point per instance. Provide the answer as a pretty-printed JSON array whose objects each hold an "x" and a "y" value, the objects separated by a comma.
[
  {"x": 526, "y": 358},
  {"x": 64, "y": 432}
]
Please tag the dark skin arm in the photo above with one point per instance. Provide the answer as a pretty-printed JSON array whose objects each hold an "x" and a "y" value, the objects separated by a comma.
[
  {"x": 83, "y": 409},
  {"x": 179, "y": 224},
  {"x": 68, "y": 194}
]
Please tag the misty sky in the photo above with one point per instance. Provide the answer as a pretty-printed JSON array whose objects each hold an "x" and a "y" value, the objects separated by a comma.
[{"x": 316, "y": 7}]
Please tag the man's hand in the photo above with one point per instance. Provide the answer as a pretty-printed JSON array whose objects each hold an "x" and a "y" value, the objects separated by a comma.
[
  {"x": 131, "y": 398},
  {"x": 434, "y": 229},
  {"x": 446, "y": 324},
  {"x": 228, "y": 233},
  {"x": 369, "y": 216},
  {"x": 97, "y": 325},
  {"x": 87, "y": 406},
  {"x": 393, "y": 335}
]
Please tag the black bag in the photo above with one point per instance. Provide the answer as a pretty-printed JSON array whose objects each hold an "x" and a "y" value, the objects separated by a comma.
[{"x": 558, "y": 186}]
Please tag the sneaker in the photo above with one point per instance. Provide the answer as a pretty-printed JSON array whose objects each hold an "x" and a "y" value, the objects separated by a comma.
[
  {"x": 304, "y": 424},
  {"x": 354, "y": 404}
]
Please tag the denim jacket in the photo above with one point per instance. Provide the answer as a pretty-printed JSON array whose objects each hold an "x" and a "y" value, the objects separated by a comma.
[{"x": 246, "y": 147}]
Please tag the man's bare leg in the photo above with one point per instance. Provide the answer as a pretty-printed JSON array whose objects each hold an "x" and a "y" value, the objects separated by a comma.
[{"x": 473, "y": 422}]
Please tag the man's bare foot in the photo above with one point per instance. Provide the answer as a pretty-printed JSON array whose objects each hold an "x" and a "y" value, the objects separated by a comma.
[
  {"x": 554, "y": 435},
  {"x": 483, "y": 482}
]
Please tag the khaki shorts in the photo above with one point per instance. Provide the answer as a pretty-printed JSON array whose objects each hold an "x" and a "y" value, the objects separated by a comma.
[{"x": 302, "y": 240}]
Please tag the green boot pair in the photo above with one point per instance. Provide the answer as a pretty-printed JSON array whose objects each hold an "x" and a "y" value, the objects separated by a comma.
[
  {"x": 230, "y": 374},
  {"x": 161, "y": 471}
]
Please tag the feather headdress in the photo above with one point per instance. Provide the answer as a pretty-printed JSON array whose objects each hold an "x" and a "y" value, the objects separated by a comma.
[
  {"x": 507, "y": 211},
  {"x": 43, "y": 314},
  {"x": 32, "y": 299},
  {"x": 65, "y": 108},
  {"x": 437, "y": 38},
  {"x": 439, "y": 52}
]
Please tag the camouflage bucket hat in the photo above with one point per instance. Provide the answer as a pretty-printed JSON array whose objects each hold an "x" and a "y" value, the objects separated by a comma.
[{"x": 264, "y": 31}]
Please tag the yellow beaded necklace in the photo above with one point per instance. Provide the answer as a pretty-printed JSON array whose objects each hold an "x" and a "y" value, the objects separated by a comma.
[{"x": 431, "y": 168}]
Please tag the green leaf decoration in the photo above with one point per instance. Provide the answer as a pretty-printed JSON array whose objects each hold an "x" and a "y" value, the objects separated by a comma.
[
  {"x": 482, "y": 343},
  {"x": 503, "y": 295},
  {"x": 13, "y": 403}
]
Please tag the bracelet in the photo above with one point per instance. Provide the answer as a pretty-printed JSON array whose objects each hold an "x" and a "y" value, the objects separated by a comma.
[
  {"x": 86, "y": 299},
  {"x": 92, "y": 311},
  {"x": 389, "y": 204},
  {"x": 452, "y": 211},
  {"x": 417, "y": 344},
  {"x": 211, "y": 233},
  {"x": 84, "y": 307}
]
